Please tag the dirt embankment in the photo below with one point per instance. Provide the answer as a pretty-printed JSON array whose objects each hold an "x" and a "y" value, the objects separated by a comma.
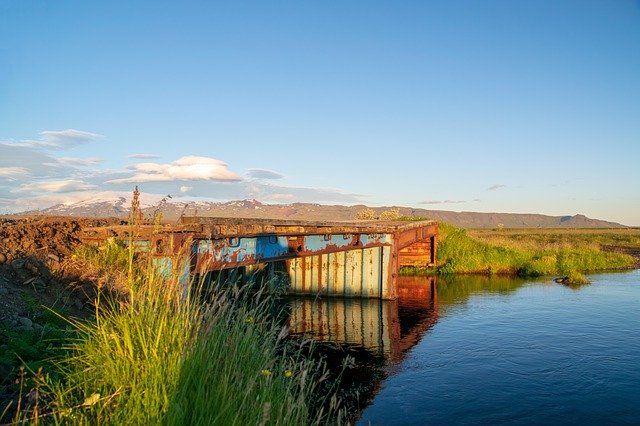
[
  {"x": 34, "y": 260},
  {"x": 37, "y": 272}
]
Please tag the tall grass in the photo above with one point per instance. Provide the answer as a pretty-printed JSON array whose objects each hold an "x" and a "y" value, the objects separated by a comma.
[
  {"x": 125, "y": 366},
  {"x": 253, "y": 380},
  {"x": 160, "y": 356}
]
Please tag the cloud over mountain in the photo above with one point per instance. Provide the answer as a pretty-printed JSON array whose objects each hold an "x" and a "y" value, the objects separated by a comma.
[
  {"x": 189, "y": 168},
  {"x": 264, "y": 174}
]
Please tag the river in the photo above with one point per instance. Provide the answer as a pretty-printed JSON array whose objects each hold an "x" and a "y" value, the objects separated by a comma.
[{"x": 490, "y": 350}]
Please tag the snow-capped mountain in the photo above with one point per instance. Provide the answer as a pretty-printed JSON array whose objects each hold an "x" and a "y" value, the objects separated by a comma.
[{"x": 170, "y": 211}]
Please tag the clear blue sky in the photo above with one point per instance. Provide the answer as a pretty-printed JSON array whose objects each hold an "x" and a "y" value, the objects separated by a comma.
[{"x": 495, "y": 106}]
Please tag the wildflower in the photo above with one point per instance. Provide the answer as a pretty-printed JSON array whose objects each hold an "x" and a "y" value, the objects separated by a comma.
[
  {"x": 88, "y": 402},
  {"x": 266, "y": 372},
  {"x": 288, "y": 373},
  {"x": 249, "y": 320}
]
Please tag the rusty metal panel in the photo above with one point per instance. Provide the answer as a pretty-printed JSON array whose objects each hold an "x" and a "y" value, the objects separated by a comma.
[
  {"x": 371, "y": 272},
  {"x": 294, "y": 267},
  {"x": 353, "y": 273},
  {"x": 387, "y": 270},
  {"x": 417, "y": 254},
  {"x": 337, "y": 270},
  {"x": 323, "y": 274},
  {"x": 312, "y": 274}
]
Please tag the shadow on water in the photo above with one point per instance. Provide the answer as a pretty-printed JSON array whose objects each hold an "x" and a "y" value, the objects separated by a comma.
[
  {"x": 378, "y": 334},
  {"x": 458, "y": 289}
]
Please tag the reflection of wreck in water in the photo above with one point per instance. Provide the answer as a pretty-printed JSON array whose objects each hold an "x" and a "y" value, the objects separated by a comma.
[{"x": 384, "y": 328}]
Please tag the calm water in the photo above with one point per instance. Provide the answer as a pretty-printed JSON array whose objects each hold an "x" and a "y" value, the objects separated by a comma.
[{"x": 495, "y": 351}]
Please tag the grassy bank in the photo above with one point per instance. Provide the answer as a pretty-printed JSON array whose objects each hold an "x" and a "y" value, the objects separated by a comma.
[
  {"x": 529, "y": 253},
  {"x": 157, "y": 356}
]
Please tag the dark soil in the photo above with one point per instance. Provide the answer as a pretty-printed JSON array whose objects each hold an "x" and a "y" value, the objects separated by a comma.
[{"x": 40, "y": 284}]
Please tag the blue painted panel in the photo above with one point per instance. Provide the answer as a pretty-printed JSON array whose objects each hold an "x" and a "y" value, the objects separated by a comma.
[
  {"x": 376, "y": 239},
  {"x": 268, "y": 247},
  {"x": 320, "y": 242}
]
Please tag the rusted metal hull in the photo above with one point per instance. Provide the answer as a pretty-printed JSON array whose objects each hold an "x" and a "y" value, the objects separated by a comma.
[{"x": 359, "y": 259}]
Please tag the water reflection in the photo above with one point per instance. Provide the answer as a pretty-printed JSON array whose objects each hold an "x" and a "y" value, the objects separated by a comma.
[
  {"x": 506, "y": 351},
  {"x": 384, "y": 328},
  {"x": 458, "y": 289},
  {"x": 378, "y": 334}
]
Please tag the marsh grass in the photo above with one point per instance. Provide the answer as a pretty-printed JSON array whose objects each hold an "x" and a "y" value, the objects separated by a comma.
[
  {"x": 529, "y": 253},
  {"x": 257, "y": 376}
]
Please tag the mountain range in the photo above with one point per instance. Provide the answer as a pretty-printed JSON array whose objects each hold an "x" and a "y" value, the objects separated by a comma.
[{"x": 171, "y": 211}]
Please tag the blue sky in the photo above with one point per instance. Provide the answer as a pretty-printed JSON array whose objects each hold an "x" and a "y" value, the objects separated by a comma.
[{"x": 494, "y": 106}]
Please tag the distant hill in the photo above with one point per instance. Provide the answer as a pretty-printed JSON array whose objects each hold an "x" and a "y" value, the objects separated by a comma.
[{"x": 171, "y": 212}]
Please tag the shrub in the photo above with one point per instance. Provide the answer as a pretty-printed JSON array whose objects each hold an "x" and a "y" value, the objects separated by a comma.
[{"x": 391, "y": 214}]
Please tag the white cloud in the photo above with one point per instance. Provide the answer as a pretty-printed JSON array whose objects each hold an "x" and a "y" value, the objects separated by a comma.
[
  {"x": 264, "y": 174},
  {"x": 13, "y": 172},
  {"x": 59, "y": 139},
  {"x": 442, "y": 202},
  {"x": 189, "y": 168},
  {"x": 81, "y": 162},
  {"x": 68, "y": 185},
  {"x": 495, "y": 187},
  {"x": 144, "y": 156},
  {"x": 184, "y": 188},
  {"x": 282, "y": 197}
]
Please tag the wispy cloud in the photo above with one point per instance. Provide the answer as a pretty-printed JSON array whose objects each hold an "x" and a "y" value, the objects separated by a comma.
[
  {"x": 58, "y": 139},
  {"x": 68, "y": 185},
  {"x": 32, "y": 176},
  {"x": 442, "y": 202},
  {"x": 189, "y": 168},
  {"x": 495, "y": 187},
  {"x": 80, "y": 162},
  {"x": 264, "y": 174},
  {"x": 282, "y": 197},
  {"x": 13, "y": 172},
  {"x": 144, "y": 156}
]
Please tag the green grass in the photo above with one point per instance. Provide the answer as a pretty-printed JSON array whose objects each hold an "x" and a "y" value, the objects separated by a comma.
[
  {"x": 526, "y": 253},
  {"x": 159, "y": 356},
  {"x": 256, "y": 379},
  {"x": 535, "y": 239}
]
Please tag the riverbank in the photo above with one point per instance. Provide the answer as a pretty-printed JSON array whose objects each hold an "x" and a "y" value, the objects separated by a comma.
[
  {"x": 132, "y": 348},
  {"x": 530, "y": 253}
]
